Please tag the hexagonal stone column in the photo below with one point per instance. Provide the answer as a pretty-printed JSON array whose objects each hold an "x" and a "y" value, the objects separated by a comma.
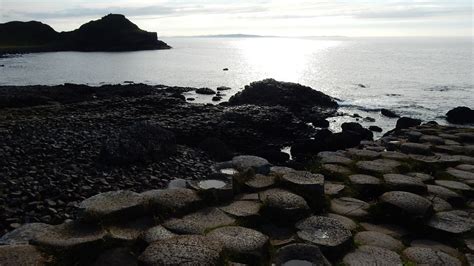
[
  {"x": 283, "y": 206},
  {"x": 300, "y": 254}
]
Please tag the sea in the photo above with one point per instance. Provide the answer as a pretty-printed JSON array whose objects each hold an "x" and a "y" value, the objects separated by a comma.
[{"x": 416, "y": 77}]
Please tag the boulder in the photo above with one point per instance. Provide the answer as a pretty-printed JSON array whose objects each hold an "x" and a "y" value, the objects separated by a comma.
[
  {"x": 388, "y": 113},
  {"x": 243, "y": 244},
  {"x": 114, "y": 205},
  {"x": 407, "y": 122},
  {"x": 375, "y": 129},
  {"x": 460, "y": 115},
  {"x": 364, "y": 133},
  {"x": 298, "y": 98},
  {"x": 205, "y": 91},
  {"x": 183, "y": 250},
  {"x": 140, "y": 142}
]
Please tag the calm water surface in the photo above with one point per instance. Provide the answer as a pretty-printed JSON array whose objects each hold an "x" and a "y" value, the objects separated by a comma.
[{"x": 417, "y": 77}]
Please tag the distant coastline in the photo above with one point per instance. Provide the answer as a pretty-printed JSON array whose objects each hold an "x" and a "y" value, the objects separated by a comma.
[{"x": 111, "y": 33}]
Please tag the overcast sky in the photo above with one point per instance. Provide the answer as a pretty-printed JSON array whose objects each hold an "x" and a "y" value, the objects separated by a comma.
[{"x": 264, "y": 17}]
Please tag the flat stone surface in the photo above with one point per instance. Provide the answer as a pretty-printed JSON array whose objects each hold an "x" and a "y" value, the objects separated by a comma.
[
  {"x": 24, "y": 234},
  {"x": 349, "y": 207},
  {"x": 300, "y": 254},
  {"x": 409, "y": 203},
  {"x": 425, "y": 243},
  {"x": 377, "y": 239},
  {"x": 69, "y": 236},
  {"x": 241, "y": 241},
  {"x": 280, "y": 170},
  {"x": 453, "y": 185},
  {"x": 172, "y": 200},
  {"x": 336, "y": 171},
  {"x": 336, "y": 159},
  {"x": 323, "y": 231},
  {"x": 432, "y": 139},
  {"x": 427, "y": 256},
  {"x": 452, "y": 222},
  {"x": 283, "y": 201},
  {"x": 306, "y": 182},
  {"x": 394, "y": 155},
  {"x": 421, "y": 176},
  {"x": 364, "y": 154},
  {"x": 466, "y": 167},
  {"x": 387, "y": 229},
  {"x": 333, "y": 189},
  {"x": 183, "y": 250},
  {"x": 157, "y": 233},
  {"x": 463, "y": 175},
  {"x": 375, "y": 167},
  {"x": 112, "y": 205},
  {"x": 19, "y": 255},
  {"x": 259, "y": 182},
  {"x": 439, "y": 204},
  {"x": 129, "y": 231},
  {"x": 364, "y": 180},
  {"x": 370, "y": 255},
  {"x": 199, "y": 222},
  {"x": 416, "y": 148},
  {"x": 348, "y": 223},
  {"x": 404, "y": 183},
  {"x": 245, "y": 162},
  {"x": 242, "y": 208}
]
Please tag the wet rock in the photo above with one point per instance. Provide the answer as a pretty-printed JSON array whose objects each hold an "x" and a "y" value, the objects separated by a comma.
[
  {"x": 216, "y": 98},
  {"x": 407, "y": 122},
  {"x": 300, "y": 254},
  {"x": 242, "y": 208},
  {"x": 453, "y": 185},
  {"x": 404, "y": 183},
  {"x": 284, "y": 204},
  {"x": 156, "y": 233},
  {"x": 320, "y": 122},
  {"x": 183, "y": 250},
  {"x": 348, "y": 223},
  {"x": 177, "y": 183},
  {"x": 13, "y": 255},
  {"x": 244, "y": 244},
  {"x": 140, "y": 142},
  {"x": 113, "y": 205},
  {"x": 427, "y": 256},
  {"x": 405, "y": 202},
  {"x": 218, "y": 189},
  {"x": 377, "y": 239},
  {"x": 328, "y": 233},
  {"x": 375, "y": 129},
  {"x": 460, "y": 115},
  {"x": 116, "y": 257},
  {"x": 350, "y": 207},
  {"x": 364, "y": 133},
  {"x": 205, "y": 91},
  {"x": 23, "y": 234},
  {"x": 388, "y": 113},
  {"x": 246, "y": 162},
  {"x": 172, "y": 201},
  {"x": 387, "y": 229},
  {"x": 199, "y": 222},
  {"x": 369, "y": 255},
  {"x": 452, "y": 222},
  {"x": 223, "y": 88},
  {"x": 70, "y": 236},
  {"x": 416, "y": 148}
]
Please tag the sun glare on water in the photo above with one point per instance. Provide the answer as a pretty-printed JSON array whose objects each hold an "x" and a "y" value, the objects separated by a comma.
[{"x": 286, "y": 59}]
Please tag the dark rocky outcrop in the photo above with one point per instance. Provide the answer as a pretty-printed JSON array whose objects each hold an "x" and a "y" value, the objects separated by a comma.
[
  {"x": 111, "y": 33},
  {"x": 299, "y": 99},
  {"x": 407, "y": 122},
  {"x": 460, "y": 115},
  {"x": 389, "y": 113}
]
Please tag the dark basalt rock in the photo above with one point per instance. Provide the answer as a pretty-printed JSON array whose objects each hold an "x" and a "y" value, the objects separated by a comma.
[
  {"x": 375, "y": 129},
  {"x": 407, "y": 122},
  {"x": 389, "y": 113},
  {"x": 111, "y": 33},
  {"x": 460, "y": 115},
  {"x": 357, "y": 128},
  {"x": 217, "y": 149},
  {"x": 205, "y": 91},
  {"x": 140, "y": 142},
  {"x": 303, "y": 254},
  {"x": 297, "y": 98}
]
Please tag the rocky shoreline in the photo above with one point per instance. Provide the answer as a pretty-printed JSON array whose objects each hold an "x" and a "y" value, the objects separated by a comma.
[{"x": 63, "y": 145}]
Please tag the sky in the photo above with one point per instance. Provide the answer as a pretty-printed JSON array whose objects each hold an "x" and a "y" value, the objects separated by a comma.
[{"x": 261, "y": 17}]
